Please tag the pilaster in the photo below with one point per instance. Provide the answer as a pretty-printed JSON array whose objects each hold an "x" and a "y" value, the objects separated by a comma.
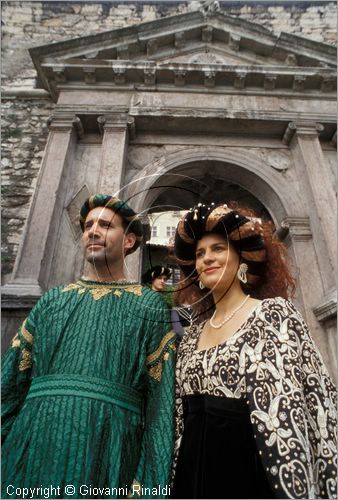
[
  {"x": 36, "y": 250},
  {"x": 113, "y": 152},
  {"x": 310, "y": 286},
  {"x": 315, "y": 188}
]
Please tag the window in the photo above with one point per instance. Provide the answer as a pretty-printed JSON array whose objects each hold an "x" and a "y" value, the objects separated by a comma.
[
  {"x": 154, "y": 232},
  {"x": 171, "y": 231}
]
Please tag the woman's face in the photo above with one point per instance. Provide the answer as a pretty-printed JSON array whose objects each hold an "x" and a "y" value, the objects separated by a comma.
[
  {"x": 216, "y": 262},
  {"x": 158, "y": 284}
]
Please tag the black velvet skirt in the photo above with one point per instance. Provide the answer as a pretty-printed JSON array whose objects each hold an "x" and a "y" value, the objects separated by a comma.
[{"x": 218, "y": 457}]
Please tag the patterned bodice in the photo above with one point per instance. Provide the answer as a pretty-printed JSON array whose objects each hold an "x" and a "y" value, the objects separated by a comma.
[{"x": 272, "y": 363}]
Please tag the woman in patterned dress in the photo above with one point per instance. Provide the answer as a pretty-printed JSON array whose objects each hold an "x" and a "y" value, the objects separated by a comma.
[{"x": 256, "y": 410}]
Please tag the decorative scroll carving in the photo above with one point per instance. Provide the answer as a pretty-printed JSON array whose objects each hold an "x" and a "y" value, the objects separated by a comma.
[
  {"x": 180, "y": 77},
  {"x": 270, "y": 82},
  {"x": 119, "y": 75},
  {"x": 302, "y": 127},
  {"x": 89, "y": 73},
  {"x": 149, "y": 76},
  {"x": 64, "y": 122},
  {"x": 328, "y": 84},
  {"x": 291, "y": 60},
  {"x": 209, "y": 78},
  {"x": 59, "y": 74},
  {"x": 234, "y": 42},
  {"x": 298, "y": 83},
  {"x": 239, "y": 81}
]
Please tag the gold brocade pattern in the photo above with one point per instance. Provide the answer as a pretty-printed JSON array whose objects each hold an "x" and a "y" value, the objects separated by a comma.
[
  {"x": 16, "y": 341},
  {"x": 98, "y": 291},
  {"x": 169, "y": 336},
  {"x": 155, "y": 371},
  {"x": 26, "y": 361},
  {"x": 25, "y": 333}
]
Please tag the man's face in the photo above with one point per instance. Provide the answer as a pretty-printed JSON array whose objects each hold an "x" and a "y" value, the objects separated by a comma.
[
  {"x": 159, "y": 283},
  {"x": 104, "y": 237}
]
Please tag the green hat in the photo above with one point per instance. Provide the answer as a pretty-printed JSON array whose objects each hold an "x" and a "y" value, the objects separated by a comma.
[{"x": 129, "y": 217}]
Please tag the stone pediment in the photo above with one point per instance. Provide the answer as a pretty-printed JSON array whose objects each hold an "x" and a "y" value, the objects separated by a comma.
[{"x": 192, "y": 48}]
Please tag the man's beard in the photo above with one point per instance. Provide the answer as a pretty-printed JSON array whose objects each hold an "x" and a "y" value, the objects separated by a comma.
[{"x": 97, "y": 258}]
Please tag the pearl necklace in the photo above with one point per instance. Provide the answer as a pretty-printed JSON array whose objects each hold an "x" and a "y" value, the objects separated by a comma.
[{"x": 231, "y": 315}]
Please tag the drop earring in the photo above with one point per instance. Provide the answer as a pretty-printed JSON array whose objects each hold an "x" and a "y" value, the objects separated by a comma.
[
  {"x": 241, "y": 273},
  {"x": 201, "y": 285}
]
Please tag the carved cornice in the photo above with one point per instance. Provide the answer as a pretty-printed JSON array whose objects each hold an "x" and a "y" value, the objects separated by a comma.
[
  {"x": 328, "y": 308},
  {"x": 124, "y": 74},
  {"x": 298, "y": 227},
  {"x": 24, "y": 93},
  {"x": 160, "y": 37}
]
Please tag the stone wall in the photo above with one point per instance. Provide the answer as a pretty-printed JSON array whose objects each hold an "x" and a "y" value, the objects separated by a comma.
[{"x": 29, "y": 24}]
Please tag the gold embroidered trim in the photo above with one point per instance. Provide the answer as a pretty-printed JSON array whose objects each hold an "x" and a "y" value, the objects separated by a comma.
[
  {"x": 15, "y": 341},
  {"x": 136, "y": 289},
  {"x": 26, "y": 361},
  {"x": 155, "y": 371},
  {"x": 153, "y": 356},
  {"x": 25, "y": 333},
  {"x": 72, "y": 286},
  {"x": 100, "y": 291},
  {"x": 133, "y": 489}
]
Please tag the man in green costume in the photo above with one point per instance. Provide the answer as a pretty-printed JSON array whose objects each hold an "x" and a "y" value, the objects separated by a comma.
[{"x": 88, "y": 382}]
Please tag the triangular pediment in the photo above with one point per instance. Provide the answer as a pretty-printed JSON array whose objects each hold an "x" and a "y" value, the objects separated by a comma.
[{"x": 193, "y": 40}]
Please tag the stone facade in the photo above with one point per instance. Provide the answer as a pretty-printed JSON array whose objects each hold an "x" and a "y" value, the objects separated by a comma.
[
  {"x": 214, "y": 99},
  {"x": 25, "y": 112}
]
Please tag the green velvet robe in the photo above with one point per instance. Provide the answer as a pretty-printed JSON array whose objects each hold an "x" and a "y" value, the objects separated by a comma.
[{"x": 68, "y": 417}]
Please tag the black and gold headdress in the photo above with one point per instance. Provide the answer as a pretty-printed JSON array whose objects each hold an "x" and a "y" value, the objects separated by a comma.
[
  {"x": 243, "y": 232},
  {"x": 155, "y": 272}
]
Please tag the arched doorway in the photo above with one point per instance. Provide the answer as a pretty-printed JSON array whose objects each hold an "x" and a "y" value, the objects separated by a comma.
[
  {"x": 179, "y": 179},
  {"x": 203, "y": 174}
]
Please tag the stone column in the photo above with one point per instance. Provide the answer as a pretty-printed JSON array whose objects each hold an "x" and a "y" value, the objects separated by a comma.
[
  {"x": 133, "y": 266},
  {"x": 319, "y": 197},
  {"x": 113, "y": 152},
  {"x": 36, "y": 251},
  {"x": 310, "y": 287}
]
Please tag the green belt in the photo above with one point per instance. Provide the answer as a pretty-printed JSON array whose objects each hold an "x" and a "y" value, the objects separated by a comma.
[{"x": 86, "y": 387}]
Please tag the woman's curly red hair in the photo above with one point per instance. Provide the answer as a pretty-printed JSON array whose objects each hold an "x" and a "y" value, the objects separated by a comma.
[{"x": 277, "y": 280}]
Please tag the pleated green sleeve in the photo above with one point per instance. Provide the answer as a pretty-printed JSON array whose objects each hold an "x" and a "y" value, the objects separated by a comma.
[
  {"x": 16, "y": 373},
  {"x": 153, "y": 471}
]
